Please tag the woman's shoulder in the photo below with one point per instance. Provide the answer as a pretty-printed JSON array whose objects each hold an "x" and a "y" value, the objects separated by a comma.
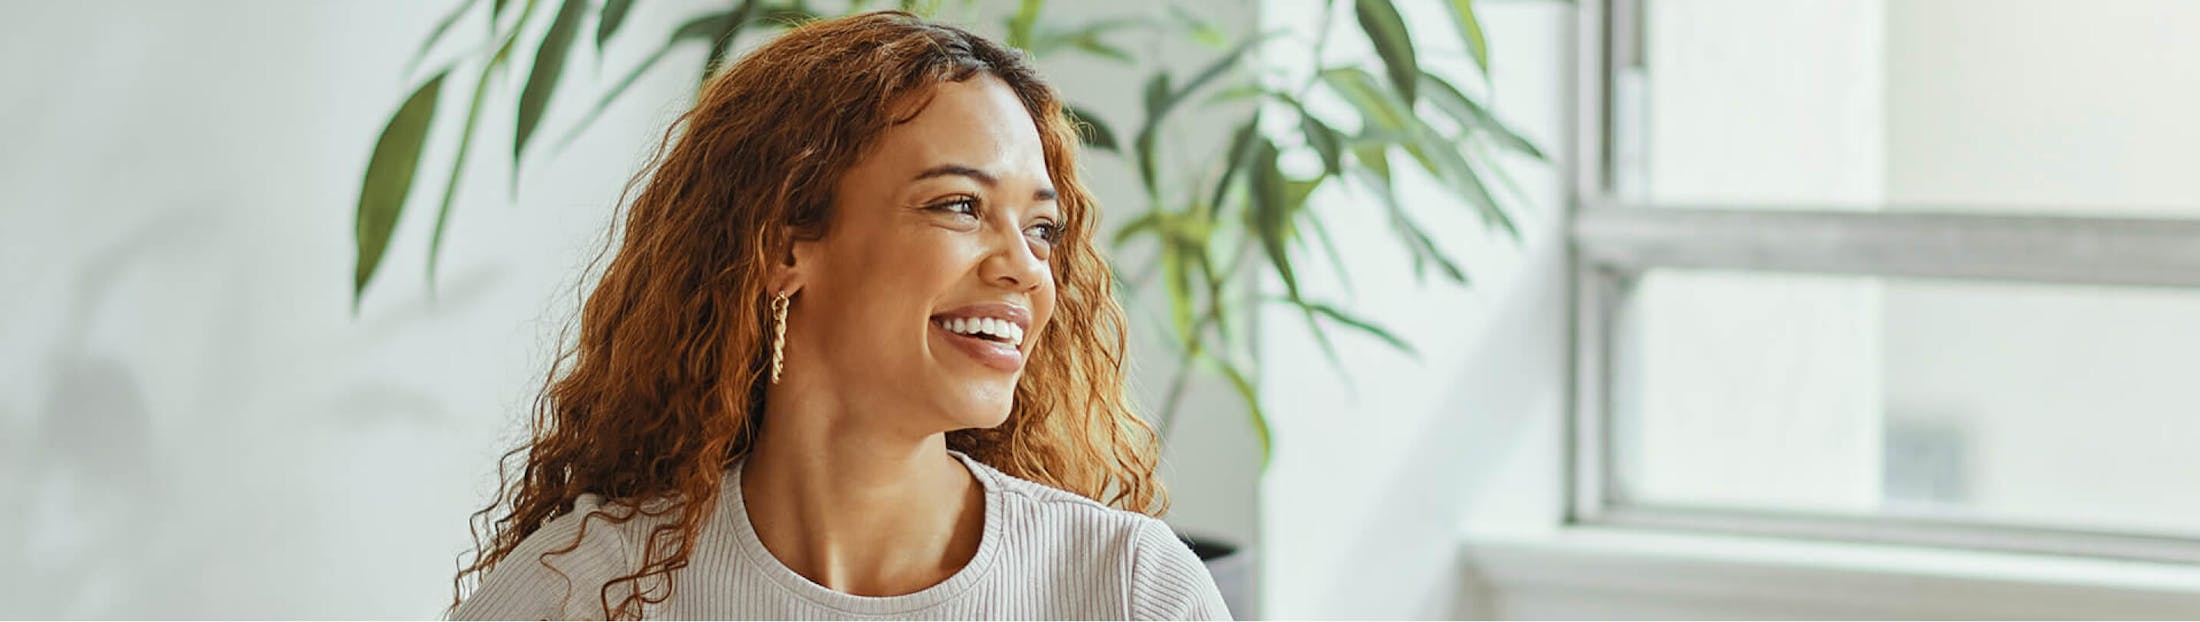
[
  {"x": 1031, "y": 508},
  {"x": 1165, "y": 579},
  {"x": 561, "y": 570},
  {"x": 1054, "y": 505}
]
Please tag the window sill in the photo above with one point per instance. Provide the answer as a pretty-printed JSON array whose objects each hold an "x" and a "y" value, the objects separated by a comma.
[{"x": 1606, "y": 572}]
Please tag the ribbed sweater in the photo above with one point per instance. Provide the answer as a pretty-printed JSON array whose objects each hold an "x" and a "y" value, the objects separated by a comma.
[{"x": 1045, "y": 554}]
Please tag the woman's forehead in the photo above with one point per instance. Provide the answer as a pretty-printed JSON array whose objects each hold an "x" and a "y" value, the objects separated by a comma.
[{"x": 977, "y": 123}]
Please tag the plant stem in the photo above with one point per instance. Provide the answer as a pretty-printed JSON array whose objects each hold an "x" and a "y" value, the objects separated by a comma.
[
  {"x": 1195, "y": 349},
  {"x": 1176, "y": 394}
]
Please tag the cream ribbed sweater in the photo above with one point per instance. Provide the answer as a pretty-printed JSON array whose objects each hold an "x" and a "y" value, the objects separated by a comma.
[{"x": 1045, "y": 554}]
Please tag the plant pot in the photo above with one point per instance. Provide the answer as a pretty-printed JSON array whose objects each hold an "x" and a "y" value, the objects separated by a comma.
[{"x": 1232, "y": 567}]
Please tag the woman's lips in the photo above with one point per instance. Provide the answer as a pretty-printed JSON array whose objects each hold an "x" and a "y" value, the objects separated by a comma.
[{"x": 994, "y": 354}]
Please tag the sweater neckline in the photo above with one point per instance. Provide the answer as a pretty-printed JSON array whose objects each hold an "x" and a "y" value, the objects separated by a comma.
[{"x": 752, "y": 548}]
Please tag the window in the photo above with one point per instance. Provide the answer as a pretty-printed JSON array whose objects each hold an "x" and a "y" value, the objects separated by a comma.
[{"x": 1919, "y": 271}]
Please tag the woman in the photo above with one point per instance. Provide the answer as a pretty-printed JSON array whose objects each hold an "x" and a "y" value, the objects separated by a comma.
[{"x": 856, "y": 356}]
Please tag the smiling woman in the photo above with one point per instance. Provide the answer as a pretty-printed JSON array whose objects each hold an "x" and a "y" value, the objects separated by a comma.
[{"x": 855, "y": 355}]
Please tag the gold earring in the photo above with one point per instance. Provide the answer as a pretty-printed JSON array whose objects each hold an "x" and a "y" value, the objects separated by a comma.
[{"x": 779, "y": 335}]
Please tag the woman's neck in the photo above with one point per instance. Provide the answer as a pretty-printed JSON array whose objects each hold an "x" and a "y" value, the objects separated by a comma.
[{"x": 858, "y": 508}]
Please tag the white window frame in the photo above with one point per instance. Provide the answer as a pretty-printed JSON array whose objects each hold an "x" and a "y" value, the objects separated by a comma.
[{"x": 1613, "y": 241}]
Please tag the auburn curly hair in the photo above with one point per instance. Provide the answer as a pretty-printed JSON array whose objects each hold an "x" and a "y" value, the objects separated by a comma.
[{"x": 663, "y": 388}]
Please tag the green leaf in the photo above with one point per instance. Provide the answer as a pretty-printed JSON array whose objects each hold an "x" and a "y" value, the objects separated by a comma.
[
  {"x": 721, "y": 43},
  {"x": 1324, "y": 140},
  {"x": 1321, "y": 337},
  {"x": 1455, "y": 171},
  {"x": 1376, "y": 159},
  {"x": 1218, "y": 312},
  {"x": 441, "y": 26},
  {"x": 1418, "y": 243},
  {"x": 699, "y": 29},
  {"x": 1295, "y": 192},
  {"x": 1378, "y": 107},
  {"x": 1142, "y": 150},
  {"x": 389, "y": 180},
  {"x": 1176, "y": 273},
  {"x": 1160, "y": 99},
  {"x": 609, "y": 21},
  {"x": 458, "y": 169},
  {"x": 1505, "y": 179},
  {"x": 542, "y": 82},
  {"x": 465, "y": 146},
  {"x": 1438, "y": 155},
  {"x": 1090, "y": 38},
  {"x": 496, "y": 12},
  {"x": 1473, "y": 117},
  {"x": 1370, "y": 328},
  {"x": 1329, "y": 248},
  {"x": 1157, "y": 94},
  {"x": 1149, "y": 220},
  {"x": 1470, "y": 30},
  {"x": 1256, "y": 416},
  {"x": 1103, "y": 49},
  {"x": 1241, "y": 143},
  {"x": 1214, "y": 70},
  {"x": 1388, "y": 32},
  {"x": 922, "y": 8},
  {"x": 1203, "y": 32},
  {"x": 1094, "y": 133},
  {"x": 786, "y": 15},
  {"x": 1184, "y": 242},
  {"x": 1237, "y": 93},
  {"x": 1157, "y": 102},
  {"x": 1271, "y": 213},
  {"x": 1019, "y": 25},
  {"x": 1425, "y": 246}
]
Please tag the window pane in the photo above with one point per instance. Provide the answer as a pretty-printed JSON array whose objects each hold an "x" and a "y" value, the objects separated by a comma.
[
  {"x": 2002, "y": 105},
  {"x": 2029, "y": 404}
]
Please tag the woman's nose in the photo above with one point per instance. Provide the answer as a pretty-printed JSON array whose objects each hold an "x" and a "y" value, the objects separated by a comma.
[{"x": 1013, "y": 265}]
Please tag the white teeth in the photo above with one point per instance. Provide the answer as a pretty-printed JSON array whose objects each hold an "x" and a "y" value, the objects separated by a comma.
[{"x": 1004, "y": 329}]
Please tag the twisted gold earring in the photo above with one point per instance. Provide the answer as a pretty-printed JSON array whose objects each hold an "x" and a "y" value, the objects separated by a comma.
[{"x": 779, "y": 335}]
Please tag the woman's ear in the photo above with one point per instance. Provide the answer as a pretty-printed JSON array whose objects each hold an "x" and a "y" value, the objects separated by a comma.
[{"x": 787, "y": 273}]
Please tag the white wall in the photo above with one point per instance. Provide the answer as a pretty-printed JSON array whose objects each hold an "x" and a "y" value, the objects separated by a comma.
[
  {"x": 1378, "y": 469},
  {"x": 192, "y": 423},
  {"x": 195, "y": 423}
]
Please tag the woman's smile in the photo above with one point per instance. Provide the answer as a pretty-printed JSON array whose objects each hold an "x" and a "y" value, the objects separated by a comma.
[{"x": 991, "y": 333}]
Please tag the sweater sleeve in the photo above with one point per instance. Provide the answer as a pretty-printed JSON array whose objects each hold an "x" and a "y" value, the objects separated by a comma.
[
  {"x": 530, "y": 585},
  {"x": 1168, "y": 582}
]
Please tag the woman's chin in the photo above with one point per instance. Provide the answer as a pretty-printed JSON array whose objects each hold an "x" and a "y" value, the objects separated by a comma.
[
  {"x": 982, "y": 414},
  {"x": 981, "y": 400},
  {"x": 989, "y": 416}
]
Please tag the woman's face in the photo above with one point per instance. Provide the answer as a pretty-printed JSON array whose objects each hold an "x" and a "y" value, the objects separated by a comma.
[{"x": 924, "y": 299}]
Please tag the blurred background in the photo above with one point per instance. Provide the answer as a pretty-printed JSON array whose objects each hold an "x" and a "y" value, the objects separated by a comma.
[{"x": 1726, "y": 309}]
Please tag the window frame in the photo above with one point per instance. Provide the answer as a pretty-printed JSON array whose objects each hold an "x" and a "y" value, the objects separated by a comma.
[{"x": 1611, "y": 242}]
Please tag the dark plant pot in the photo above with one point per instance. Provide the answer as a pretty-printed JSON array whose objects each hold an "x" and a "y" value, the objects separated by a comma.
[{"x": 1232, "y": 567}]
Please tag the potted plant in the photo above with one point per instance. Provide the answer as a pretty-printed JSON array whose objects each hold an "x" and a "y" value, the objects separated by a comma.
[{"x": 1212, "y": 232}]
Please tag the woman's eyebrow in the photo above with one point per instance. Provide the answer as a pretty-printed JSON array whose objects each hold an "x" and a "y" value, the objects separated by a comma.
[{"x": 983, "y": 178}]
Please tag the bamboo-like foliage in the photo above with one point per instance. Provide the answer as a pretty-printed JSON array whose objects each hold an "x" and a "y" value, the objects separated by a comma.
[{"x": 1204, "y": 229}]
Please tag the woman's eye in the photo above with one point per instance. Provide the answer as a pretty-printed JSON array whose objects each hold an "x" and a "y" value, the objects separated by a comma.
[
  {"x": 965, "y": 206},
  {"x": 1047, "y": 232}
]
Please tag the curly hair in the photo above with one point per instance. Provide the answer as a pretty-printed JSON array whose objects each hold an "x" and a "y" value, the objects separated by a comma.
[{"x": 663, "y": 388}]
